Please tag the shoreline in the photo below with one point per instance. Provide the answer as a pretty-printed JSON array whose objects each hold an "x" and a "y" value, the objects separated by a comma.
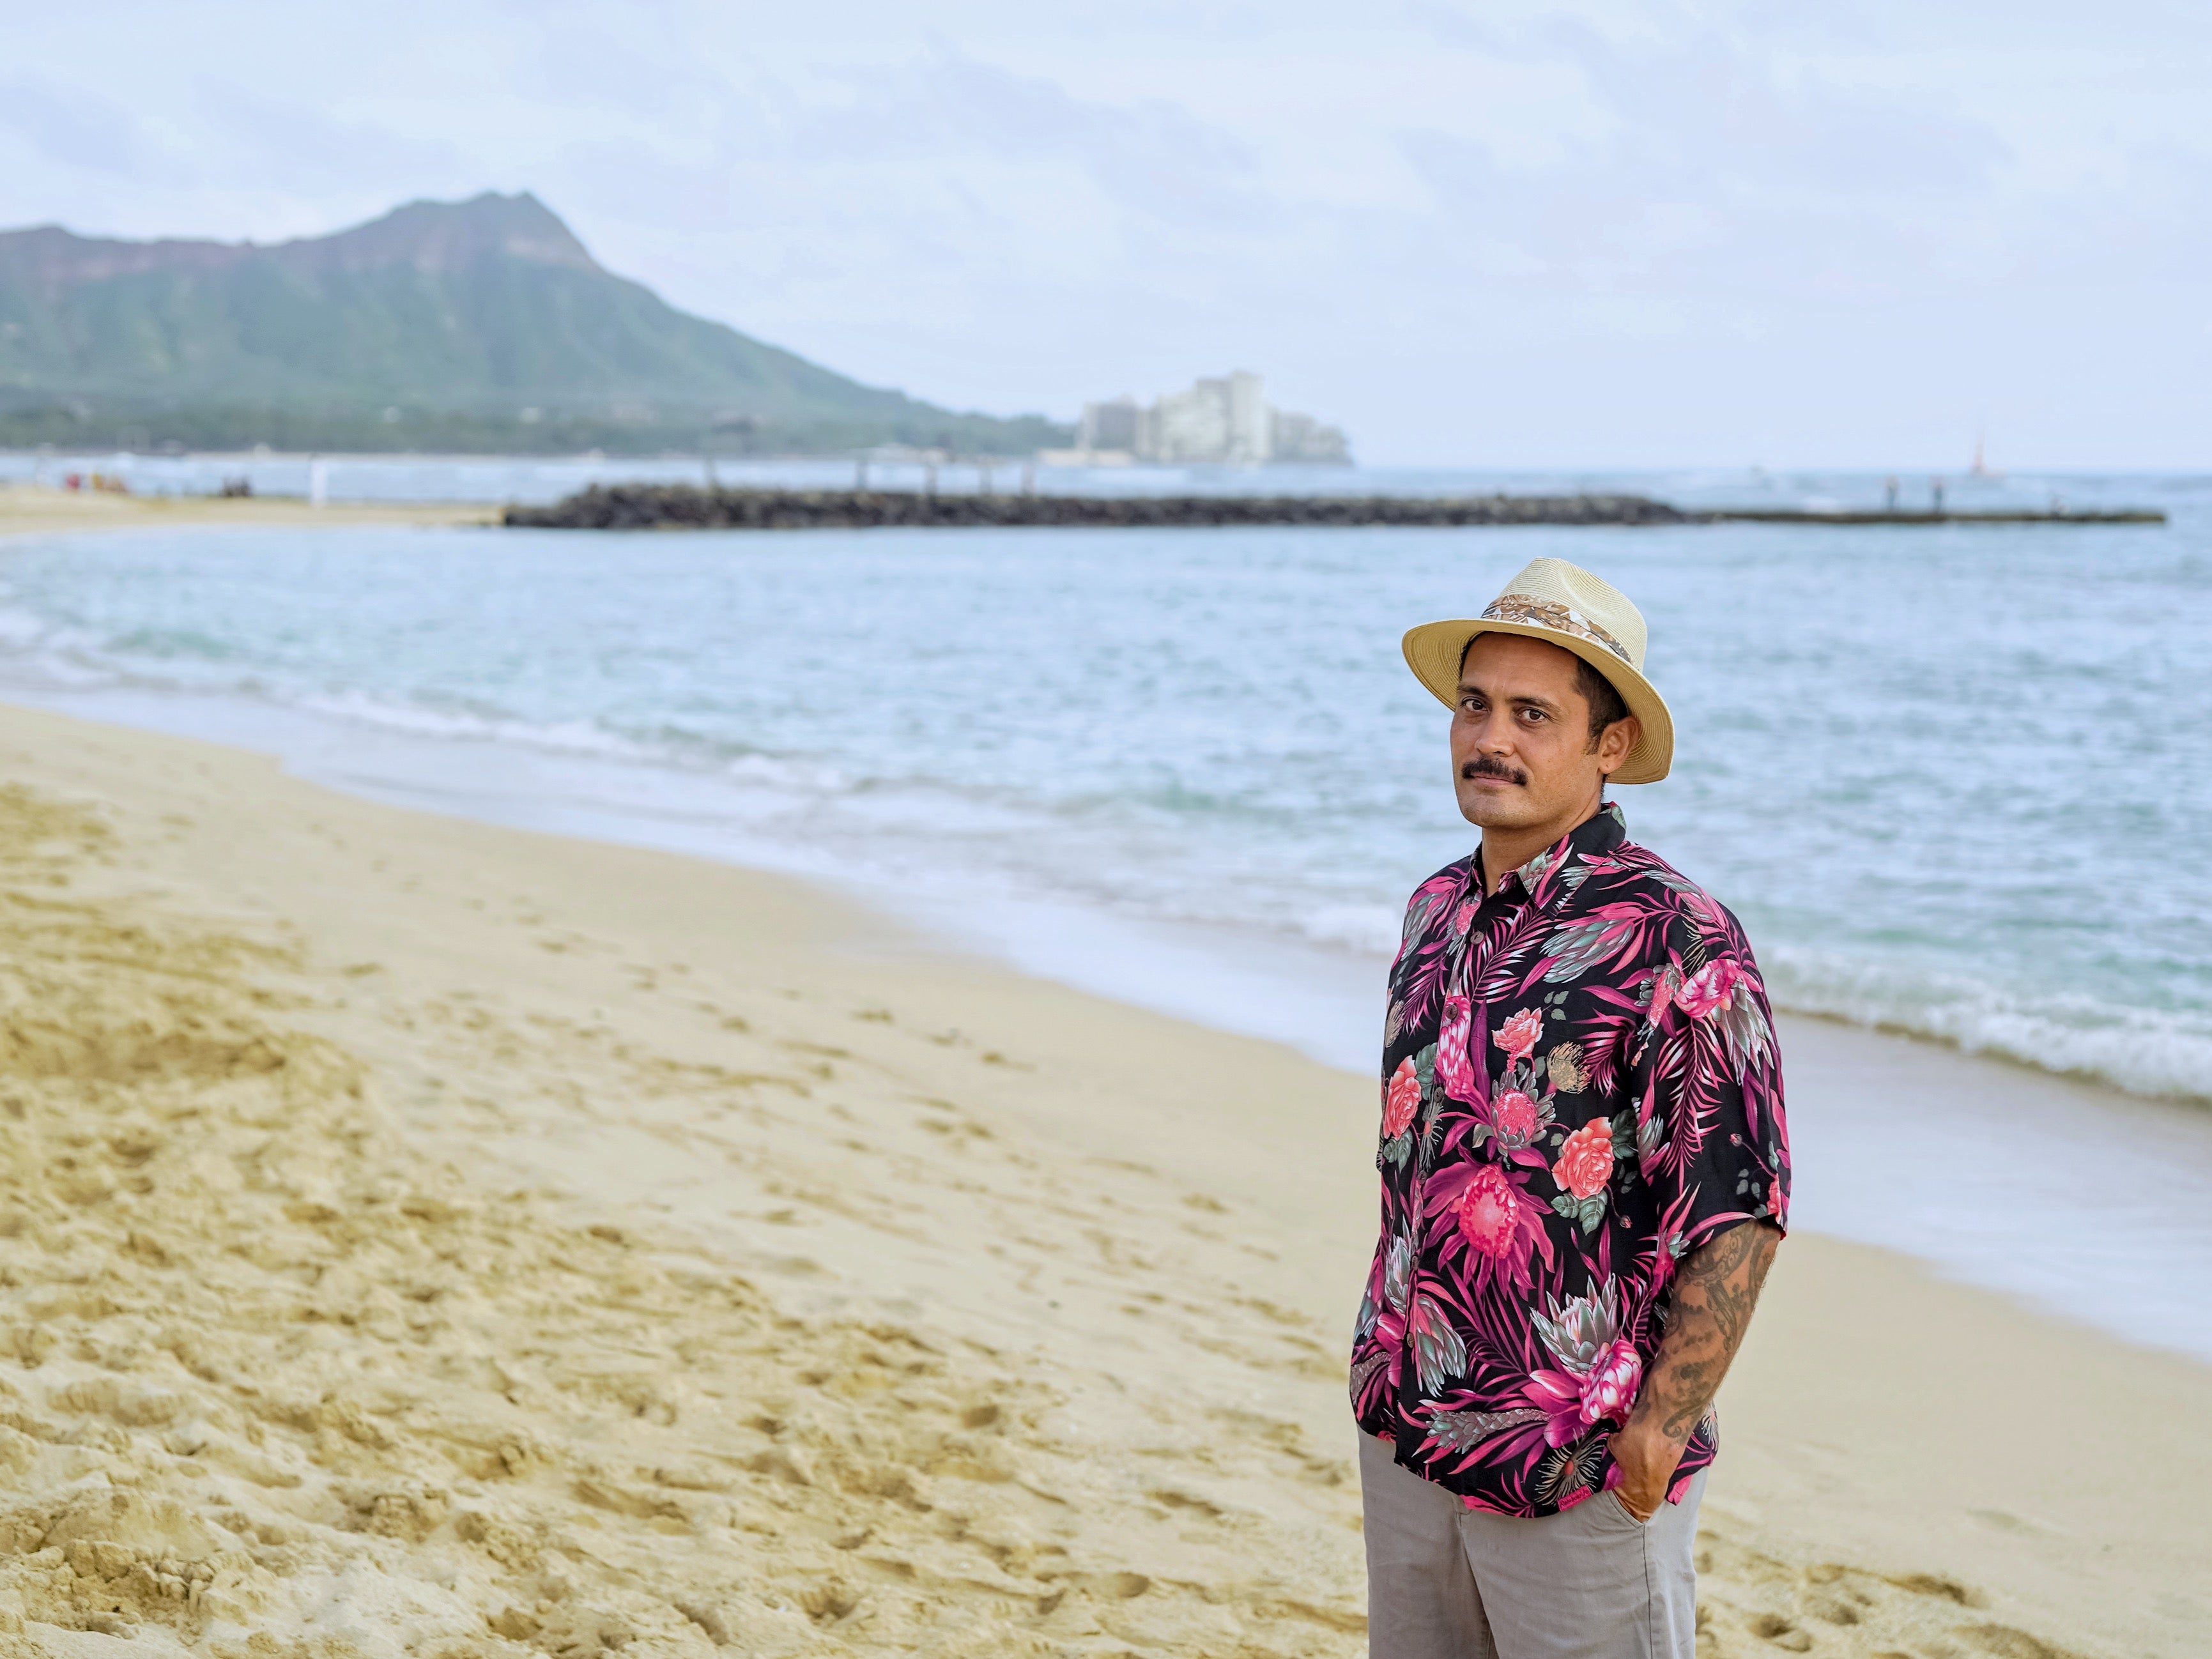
[
  {"x": 29, "y": 509},
  {"x": 1959, "y": 985},
  {"x": 2018, "y": 1180},
  {"x": 1140, "y": 1238}
]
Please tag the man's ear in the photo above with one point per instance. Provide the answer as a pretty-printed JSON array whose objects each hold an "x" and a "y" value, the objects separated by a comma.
[{"x": 1617, "y": 742}]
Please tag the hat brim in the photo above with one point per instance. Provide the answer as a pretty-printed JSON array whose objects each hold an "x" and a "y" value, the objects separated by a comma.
[{"x": 1434, "y": 649}]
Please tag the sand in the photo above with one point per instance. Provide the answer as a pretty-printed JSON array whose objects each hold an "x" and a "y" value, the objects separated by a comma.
[
  {"x": 427, "y": 1238},
  {"x": 30, "y": 507}
]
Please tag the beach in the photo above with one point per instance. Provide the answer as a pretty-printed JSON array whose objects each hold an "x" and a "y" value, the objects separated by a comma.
[
  {"x": 435, "y": 1238},
  {"x": 26, "y": 508},
  {"x": 731, "y": 930}
]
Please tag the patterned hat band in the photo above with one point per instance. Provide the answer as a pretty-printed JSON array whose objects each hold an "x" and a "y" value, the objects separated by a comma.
[{"x": 1548, "y": 613}]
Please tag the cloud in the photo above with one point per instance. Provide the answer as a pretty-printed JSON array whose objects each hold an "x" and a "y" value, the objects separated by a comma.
[
  {"x": 1586, "y": 228},
  {"x": 294, "y": 147},
  {"x": 1717, "y": 112},
  {"x": 1720, "y": 169},
  {"x": 70, "y": 127},
  {"x": 1151, "y": 158}
]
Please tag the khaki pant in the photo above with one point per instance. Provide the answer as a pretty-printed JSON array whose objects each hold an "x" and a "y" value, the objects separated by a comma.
[{"x": 1445, "y": 1582}]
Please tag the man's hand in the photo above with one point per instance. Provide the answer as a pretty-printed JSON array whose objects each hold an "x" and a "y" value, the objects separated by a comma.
[
  {"x": 1646, "y": 1460},
  {"x": 1715, "y": 1289}
]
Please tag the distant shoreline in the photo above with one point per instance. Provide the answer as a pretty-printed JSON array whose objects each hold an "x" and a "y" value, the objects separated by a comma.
[{"x": 29, "y": 508}]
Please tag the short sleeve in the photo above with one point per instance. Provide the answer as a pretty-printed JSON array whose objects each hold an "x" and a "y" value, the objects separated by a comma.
[{"x": 1712, "y": 1139}]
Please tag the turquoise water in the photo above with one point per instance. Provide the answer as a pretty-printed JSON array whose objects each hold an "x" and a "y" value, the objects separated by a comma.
[{"x": 1949, "y": 777}]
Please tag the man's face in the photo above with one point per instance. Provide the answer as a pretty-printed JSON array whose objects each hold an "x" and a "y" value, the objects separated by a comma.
[{"x": 1520, "y": 736}]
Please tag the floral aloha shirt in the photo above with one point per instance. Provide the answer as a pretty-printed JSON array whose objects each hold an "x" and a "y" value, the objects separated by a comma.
[{"x": 1580, "y": 1086}]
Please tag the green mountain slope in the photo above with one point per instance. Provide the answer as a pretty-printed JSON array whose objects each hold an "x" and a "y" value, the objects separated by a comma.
[{"x": 477, "y": 325}]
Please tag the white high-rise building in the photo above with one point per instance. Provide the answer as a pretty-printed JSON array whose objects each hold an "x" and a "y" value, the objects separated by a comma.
[
  {"x": 1223, "y": 420},
  {"x": 1192, "y": 425},
  {"x": 1251, "y": 430}
]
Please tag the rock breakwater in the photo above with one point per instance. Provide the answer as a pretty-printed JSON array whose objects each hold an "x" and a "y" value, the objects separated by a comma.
[
  {"x": 685, "y": 507},
  {"x": 680, "y": 506}
]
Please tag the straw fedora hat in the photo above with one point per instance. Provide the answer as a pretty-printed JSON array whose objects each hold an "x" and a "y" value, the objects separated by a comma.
[{"x": 1562, "y": 605}]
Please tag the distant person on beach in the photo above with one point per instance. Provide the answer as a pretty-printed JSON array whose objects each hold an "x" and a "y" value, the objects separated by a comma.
[{"x": 1585, "y": 1169}]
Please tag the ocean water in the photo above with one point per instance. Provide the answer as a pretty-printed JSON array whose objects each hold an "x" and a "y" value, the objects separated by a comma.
[{"x": 1947, "y": 776}]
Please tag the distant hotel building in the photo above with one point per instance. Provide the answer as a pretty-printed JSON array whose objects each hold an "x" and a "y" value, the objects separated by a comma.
[{"x": 1224, "y": 420}]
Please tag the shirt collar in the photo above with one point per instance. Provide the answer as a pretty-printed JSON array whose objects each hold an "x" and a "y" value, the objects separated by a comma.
[{"x": 1595, "y": 836}]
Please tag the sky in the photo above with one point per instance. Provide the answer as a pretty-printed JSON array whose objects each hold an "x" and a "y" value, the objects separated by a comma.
[{"x": 1602, "y": 232}]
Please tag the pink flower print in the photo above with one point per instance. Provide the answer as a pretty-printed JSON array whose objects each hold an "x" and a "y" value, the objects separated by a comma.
[
  {"x": 1454, "y": 1069},
  {"x": 1401, "y": 1098},
  {"x": 1586, "y": 1161},
  {"x": 1559, "y": 1397},
  {"x": 1710, "y": 988},
  {"x": 1515, "y": 1116},
  {"x": 1464, "y": 918},
  {"x": 1519, "y": 1034},
  {"x": 1489, "y": 1213},
  {"x": 1610, "y": 1389}
]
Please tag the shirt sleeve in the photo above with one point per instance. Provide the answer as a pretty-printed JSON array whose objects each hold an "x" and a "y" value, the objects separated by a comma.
[{"x": 1711, "y": 1137}]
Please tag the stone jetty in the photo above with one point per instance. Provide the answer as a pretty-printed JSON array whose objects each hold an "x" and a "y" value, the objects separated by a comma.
[
  {"x": 681, "y": 507},
  {"x": 684, "y": 506},
  {"x": 1974, "y": 515}
]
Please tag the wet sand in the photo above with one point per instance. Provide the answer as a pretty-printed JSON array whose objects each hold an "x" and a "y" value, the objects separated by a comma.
[{"x": 431, "y": 1238}]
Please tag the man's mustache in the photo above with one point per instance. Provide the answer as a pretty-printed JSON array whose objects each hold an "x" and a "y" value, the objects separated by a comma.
[{"x": 1484, "y": 766}]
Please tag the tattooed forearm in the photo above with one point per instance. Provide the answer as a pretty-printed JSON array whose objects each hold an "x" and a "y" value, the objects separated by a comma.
[{"x": 1716, "y": 1288}]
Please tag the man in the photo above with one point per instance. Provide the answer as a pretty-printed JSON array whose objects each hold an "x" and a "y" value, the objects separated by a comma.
[{"x": 1585, "y": 1169}]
